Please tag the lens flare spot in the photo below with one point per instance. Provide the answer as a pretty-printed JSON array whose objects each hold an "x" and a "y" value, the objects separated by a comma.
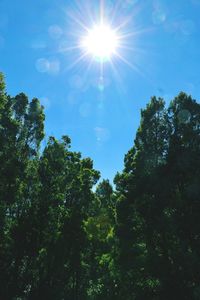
[
  {"x": 184, "y": 116},
  {"x": 42, "y": 65}
]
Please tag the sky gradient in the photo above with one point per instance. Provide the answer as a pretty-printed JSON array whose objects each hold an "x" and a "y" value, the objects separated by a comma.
[{"x": 100, "y": 112}]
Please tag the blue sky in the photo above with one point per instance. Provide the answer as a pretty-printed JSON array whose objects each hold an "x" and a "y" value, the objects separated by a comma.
[{"x": 101, "y": 115}]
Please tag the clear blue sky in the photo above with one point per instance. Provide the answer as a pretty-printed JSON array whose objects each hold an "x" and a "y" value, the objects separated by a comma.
[{"x": 100, "y": 115}]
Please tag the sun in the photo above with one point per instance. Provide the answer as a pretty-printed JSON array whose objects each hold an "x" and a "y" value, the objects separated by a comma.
[
  {"x": 101, "y": 42},
  {"x": 102, "y": 36}
]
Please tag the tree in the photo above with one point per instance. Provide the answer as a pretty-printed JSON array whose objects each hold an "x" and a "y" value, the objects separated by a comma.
[
  {"x": 19, "y": 144},
  {"x": 99, "y": 227},
  {"x": 158, "y": 202}
]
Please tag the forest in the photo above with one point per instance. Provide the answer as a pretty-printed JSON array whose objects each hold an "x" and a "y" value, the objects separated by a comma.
[{"x": 67, "y": 234}]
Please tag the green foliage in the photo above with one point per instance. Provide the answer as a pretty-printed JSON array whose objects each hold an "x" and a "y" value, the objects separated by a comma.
[
  {"x": 158, "y": 201},
  {"x": 61, "y": 240},
  {"x": 2, "y": 84}
]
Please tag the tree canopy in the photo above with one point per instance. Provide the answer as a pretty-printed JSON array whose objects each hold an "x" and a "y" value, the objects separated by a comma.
[{"x": 63, "y": 235}]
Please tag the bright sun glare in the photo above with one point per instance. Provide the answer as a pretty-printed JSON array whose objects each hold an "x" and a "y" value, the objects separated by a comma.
[
  {"x": 102, "y": 36},
  {"x": 101, "y": 42}
]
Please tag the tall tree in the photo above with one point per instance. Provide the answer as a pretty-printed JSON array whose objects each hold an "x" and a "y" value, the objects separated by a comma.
[{"x": 158, "y": 203}]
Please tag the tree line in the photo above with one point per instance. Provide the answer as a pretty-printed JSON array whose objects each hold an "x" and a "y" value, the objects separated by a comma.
[{"x": 61, "y": 239}]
